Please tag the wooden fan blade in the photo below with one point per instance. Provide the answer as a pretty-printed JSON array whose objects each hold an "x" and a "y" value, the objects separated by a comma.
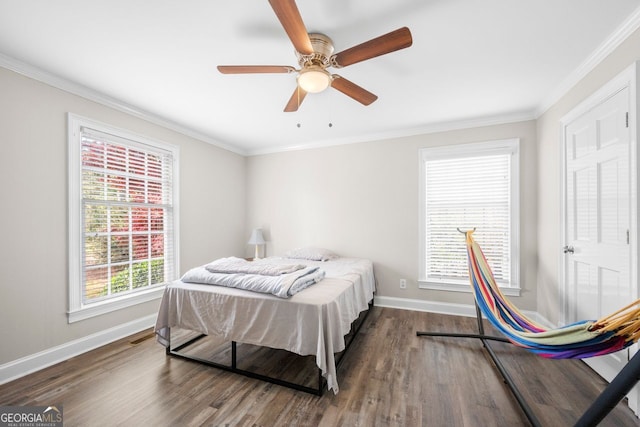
[
  {"x": 289, "y": 16},
  {"x": 352, "y": 90},
  {"x": 387, "y": 43},
  {"x": 254, "y": 69},
  {"x": 295, "y": 100}
]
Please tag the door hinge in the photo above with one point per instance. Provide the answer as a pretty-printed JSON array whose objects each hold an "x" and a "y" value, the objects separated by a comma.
[
  {"x": 627, "y": 119},
  {"x": 627, "y": 237}
]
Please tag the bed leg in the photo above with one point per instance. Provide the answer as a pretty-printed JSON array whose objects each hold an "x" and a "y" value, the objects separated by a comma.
[
  {"x": 233, "y": 354},
  {"x": 319, "y": 391},
  {"x": 320, "y": 383}
]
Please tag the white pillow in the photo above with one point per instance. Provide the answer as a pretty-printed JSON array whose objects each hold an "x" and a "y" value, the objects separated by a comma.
[{"x": 311, "y": 253}]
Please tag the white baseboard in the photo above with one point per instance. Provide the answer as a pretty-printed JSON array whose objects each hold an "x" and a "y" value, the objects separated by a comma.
[
  {"x": 34, "y": 362},
  {"x": 453, "y": 309}
]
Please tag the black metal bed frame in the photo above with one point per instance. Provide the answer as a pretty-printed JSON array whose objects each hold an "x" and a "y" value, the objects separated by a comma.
[
  {"x": 626, "y": 379},
  {"x": 176, "y": 352}
]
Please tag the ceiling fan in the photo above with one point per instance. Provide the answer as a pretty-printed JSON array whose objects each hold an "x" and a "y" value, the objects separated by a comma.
[{"x": 315, "y": 55}]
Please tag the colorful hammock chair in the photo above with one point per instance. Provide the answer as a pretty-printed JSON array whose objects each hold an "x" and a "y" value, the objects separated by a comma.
[{"x": 579, "y": 340}]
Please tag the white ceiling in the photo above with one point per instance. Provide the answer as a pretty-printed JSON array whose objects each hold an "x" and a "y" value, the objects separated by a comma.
[{"x": 471, "y": 61}]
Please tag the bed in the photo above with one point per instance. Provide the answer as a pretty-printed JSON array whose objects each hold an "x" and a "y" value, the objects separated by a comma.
[{"x": 312, "y": 322}]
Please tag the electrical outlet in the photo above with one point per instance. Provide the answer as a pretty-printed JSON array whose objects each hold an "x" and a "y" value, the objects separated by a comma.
[{"x": 403, "y": 283}]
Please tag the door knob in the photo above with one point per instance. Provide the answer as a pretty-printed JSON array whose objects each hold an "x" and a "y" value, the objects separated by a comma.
[{"x": 568, "y": 249}]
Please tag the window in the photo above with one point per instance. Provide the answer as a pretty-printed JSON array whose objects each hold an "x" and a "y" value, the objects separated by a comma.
[
  {"x": 122, "y": 218},
  {"x": 469, "y": 186}
]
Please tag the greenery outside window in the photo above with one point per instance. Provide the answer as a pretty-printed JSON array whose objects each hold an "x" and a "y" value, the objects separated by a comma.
[{"x": 123, "y": 218}]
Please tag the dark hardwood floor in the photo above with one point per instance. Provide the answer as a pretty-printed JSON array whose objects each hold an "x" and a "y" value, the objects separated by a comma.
[{"x": 389, "y": 378}]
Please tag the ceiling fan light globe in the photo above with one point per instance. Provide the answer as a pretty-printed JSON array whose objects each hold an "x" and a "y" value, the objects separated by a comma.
[{"x": 314, "y": 80}]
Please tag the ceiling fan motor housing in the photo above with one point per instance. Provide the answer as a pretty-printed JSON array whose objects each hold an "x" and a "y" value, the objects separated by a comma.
[{"x": 322, "y": 51}]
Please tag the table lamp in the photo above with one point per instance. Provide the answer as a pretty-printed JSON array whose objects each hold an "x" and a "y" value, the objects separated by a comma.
[{"x": 256, "y": 239}]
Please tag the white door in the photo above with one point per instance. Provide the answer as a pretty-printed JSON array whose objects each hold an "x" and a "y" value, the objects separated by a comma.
[{"x": 597, "y": 207}]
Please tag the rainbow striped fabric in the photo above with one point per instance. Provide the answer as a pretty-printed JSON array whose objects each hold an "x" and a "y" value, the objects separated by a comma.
[{"x": 579, "y": 340}]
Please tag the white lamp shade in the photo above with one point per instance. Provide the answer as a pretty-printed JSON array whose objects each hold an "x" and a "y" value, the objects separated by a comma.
[{"x": 256, "y": 237}]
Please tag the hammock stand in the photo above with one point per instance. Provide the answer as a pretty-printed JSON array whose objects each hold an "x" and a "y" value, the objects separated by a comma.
[{"x": 626, "y": 379}]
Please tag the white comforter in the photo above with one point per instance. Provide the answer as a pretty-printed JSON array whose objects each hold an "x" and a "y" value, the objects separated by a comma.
[
  {"x": 265, "y": 267},
  {"x": 282, "y": 285}
]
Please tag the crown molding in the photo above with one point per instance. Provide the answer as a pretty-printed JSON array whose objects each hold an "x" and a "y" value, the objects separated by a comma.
[
  {"x": 631, "y": 24},
  {"x": 66, "y": 85},
  {"x": 628, "y": 27}
]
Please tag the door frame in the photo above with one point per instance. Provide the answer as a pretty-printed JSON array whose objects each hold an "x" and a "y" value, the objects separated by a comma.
[{"x": 626, "y": 79}]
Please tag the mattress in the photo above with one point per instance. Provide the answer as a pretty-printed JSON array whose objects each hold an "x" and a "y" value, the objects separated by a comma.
[{"x": 311, "y": 322}]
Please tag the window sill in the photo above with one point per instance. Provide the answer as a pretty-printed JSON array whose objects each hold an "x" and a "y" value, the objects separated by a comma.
[
  {"x": 99, "y": 308},
  {"x": 458, "y": 287}
]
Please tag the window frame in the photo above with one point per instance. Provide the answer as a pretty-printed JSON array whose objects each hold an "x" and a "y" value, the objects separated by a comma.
[
  {"x": 509, "y": 146},
  {"x": 78, "y": 310}
]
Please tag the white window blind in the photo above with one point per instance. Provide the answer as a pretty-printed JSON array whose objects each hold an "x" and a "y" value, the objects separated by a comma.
[
  {"x": 469, "y": 187},
  {"x": 127, "y": 212},
  {"x": 122, "y": 217}
]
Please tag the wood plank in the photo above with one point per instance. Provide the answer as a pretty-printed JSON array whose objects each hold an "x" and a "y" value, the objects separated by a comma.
[{"x": 389, "y": 378}]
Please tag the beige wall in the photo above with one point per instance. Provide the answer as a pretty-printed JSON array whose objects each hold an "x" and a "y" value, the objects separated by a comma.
[
  {"x": 33, "y": 214},
  {"x": 549, "y": 143},
  {"x": 361, "y": 200}
]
